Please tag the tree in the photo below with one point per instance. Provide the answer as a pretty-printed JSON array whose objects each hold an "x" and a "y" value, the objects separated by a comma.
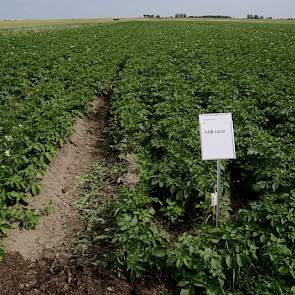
[{"x": 180, "y": 15}]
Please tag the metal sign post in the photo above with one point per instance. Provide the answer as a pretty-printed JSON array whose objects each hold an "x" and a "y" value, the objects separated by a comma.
[
  {"x": 217, "y": 143},
  {"x": 218, "y": 188}
]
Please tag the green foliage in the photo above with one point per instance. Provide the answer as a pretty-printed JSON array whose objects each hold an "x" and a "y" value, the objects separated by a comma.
[
  {"x": 26, "y": 218},
  {"x": 173, "y": 211},
  {"x": 126, "y": 222},
  {"x": 161, "y": 77},
  {"x": 94, "y": 202},
  {"x": 47, "y": 80},
  {"x": 193, "y": 68},
  {"x": 48, "y": 209},
  {"x": 2, "y": 253},
  {"x": 3, "y": 230},
  {"x": 4, "y": 227},
  {"x": 138, "y": 238}
]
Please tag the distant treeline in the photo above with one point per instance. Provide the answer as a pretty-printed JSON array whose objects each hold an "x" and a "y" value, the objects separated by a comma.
[
  {"x": 288, "y": 18},
  {"x": 210, "y": 16},
  {"x": 151, "y": 16},
  {"x": 256, "y": 16},
  {"x": 184, "y": 15}
]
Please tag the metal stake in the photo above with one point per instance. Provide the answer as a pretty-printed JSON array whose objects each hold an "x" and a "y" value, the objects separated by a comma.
[{"x": 218, "y": 191}]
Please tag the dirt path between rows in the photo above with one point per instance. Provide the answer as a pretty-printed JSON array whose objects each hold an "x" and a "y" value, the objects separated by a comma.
[
  {"x": 46, "y": 260},
  {"x": 61, "y": 188}
]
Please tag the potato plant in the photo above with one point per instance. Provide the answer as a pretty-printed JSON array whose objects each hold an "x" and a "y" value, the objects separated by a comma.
[
  {"x": 159, "y": 76},
  {"x": 176, "y": 72}
]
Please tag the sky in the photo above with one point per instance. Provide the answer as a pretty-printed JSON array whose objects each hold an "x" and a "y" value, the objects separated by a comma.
[{"x": 44, "y": 9}]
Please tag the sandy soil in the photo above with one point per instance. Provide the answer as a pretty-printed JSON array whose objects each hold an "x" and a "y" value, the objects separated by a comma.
[
  {"x": 45, "y": 260},
  {"x": 57, "y": 274},
  {"x": 131, "y": 177},
  {"x": 61, "y": 187}
]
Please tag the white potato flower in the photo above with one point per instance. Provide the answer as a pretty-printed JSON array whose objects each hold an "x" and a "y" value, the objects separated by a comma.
[{"x": 8, "y": 137}]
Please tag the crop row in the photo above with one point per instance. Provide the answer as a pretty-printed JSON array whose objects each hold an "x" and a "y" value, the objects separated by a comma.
[
  {"x": 47, "y": 80},
  {"x": 177, "y": 72},
  {"x": 163, "y": 75}
]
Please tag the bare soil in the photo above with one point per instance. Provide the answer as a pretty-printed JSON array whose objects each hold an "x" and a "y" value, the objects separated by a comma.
[
  {"x": 44, "y": 261},
  {"x": 56, "y": 274},
  {"x": 131, "y": 178},
  {"x": 61, "y": 188},
  {"x": 59, "y": 274}
]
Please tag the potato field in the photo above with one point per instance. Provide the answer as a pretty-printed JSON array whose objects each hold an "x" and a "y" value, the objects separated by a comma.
[{"x": 157, "y": 77}]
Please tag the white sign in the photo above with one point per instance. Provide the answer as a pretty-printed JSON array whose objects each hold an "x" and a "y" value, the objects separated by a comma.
[{"x": 217, "y": 136}]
